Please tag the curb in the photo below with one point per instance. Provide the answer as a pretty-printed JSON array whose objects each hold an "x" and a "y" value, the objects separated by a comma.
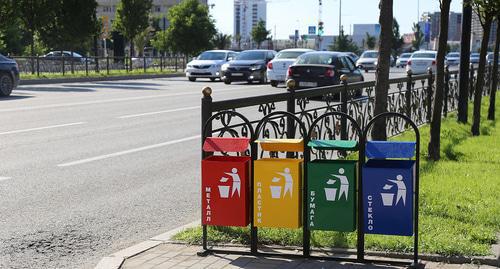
[
  {"x": 115, "y": 260},
  {"x": 92, "y": 79}
]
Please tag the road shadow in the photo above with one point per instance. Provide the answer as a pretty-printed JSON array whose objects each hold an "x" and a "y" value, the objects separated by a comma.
[
  {"x": 109, "y": 86},
  {"x": 67, "y": 88},
  {"x": 134, "y": 83},
  {"x": 15, "y": 97}
]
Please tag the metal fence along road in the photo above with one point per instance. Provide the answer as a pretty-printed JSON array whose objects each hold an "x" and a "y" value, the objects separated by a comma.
[{"x": 40, "y": 66}]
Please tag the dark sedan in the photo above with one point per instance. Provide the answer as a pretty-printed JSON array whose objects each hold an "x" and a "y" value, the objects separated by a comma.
[
  {"x": 323, "y": 68},
  {"x": 249, "y": 65},
  {"x": 9, "y": 75}
]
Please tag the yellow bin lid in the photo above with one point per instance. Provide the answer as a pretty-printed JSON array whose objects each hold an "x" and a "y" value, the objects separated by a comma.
[{"x": 286, "y": 145}]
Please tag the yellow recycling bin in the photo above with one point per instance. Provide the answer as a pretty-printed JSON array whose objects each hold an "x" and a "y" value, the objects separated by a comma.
[{"x": 278, "y": 187}]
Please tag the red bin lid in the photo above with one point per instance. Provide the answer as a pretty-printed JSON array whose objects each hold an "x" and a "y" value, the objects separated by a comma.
[{"x": 226, "y": 144}]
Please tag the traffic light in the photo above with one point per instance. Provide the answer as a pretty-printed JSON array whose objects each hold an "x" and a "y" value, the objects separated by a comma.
[{"x": 320, "y": 28}]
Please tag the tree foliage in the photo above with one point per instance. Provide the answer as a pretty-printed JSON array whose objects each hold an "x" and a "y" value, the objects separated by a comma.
[
  {"x": 221, "y": 41},
  {"x": 73, "y": 25},
  {"x": 132, "y": 17},
  {"x": 142, "y": 39},
  {"x": 160, "y": 41},
  {"x": 370, "y": 41},
  {"x": 260, "y": 33},
  {"x": 191, "y": 28},
  {"x": 35, "y": 15},
  {"x": 397, "y": 40},
  {"x": 344, "y": 43},
  {"x": 418, "y": 36}
]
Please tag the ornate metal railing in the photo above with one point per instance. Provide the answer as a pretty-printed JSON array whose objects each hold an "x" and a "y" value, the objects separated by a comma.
[{"x": 411, "y": 95}]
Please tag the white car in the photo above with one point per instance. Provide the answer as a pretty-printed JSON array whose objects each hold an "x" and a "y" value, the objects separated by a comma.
[
  {"x": 278, "y": 67},
  {"x": 402, "y": 59},
  {"x": 368, "y": 60},
  {"x": 453, "y": 58},
  {"x": 208, "y": 64},
  {"x": 421, "y": 60}
]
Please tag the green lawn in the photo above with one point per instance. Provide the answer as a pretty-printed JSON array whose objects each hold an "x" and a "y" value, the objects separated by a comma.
[
  {"x": 460, "y": 200},
  {"x": 93, "y": 74}
]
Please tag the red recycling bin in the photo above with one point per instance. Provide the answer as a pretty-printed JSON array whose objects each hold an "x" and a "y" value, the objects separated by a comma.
[{"x": 225, "y": 183}]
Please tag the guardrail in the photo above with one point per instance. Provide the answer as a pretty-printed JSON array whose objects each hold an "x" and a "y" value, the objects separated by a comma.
[{"x": 40, "y": 65}]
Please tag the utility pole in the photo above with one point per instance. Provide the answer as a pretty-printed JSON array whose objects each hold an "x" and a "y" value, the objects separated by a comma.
[{"x": 340, "y": 16}]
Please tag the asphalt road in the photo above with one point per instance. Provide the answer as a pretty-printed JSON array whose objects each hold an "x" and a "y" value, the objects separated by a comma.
[{"x": 88, "y": 169}]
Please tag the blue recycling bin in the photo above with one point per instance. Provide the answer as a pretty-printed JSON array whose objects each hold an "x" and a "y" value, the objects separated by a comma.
[{"x": 388, "y": 188}]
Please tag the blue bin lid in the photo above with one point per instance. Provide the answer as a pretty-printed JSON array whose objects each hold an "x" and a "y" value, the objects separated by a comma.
[{"x": 389, "y": 149}]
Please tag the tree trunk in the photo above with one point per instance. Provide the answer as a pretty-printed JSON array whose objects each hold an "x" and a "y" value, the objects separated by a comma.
[
  {"x": 435, "y": 132},
  {"x": 382, "y": 73},
  {"x": 476, "y": 117},
  {"x": 463, "y": 93},
  {"x": 32, "y": 47},
  {"x": 494, "y": 75},
  {"x": 131, "y": 53}
]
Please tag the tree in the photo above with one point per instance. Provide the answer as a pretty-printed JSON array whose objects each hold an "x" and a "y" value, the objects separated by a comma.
[
  {"x": 142, "y": 39},
  {"x": 344, "y": 43},
  {"x": 435, "y": 132},
  {"x": 419, "y": 37},
  {"x": 260, "y": 33},
  {"x": 494, "y": 80},
  {"x": 397, "y": 40},
  {"x": 463, "y": 93},
  {"x": 191, "y": 28},
  {"x": 237, "y": 38},
  {"x": 370, "y": 41},
  {"x": 35, "y": 14},
  {"x": 160, "y": 41},
  {"x": 132, "y": 18},
  {"x": 221, "y": 41},
  {"x": 384, "y": 64},
  {"x": 485, "y": 9},
  {"x": 6, "y": 10}
]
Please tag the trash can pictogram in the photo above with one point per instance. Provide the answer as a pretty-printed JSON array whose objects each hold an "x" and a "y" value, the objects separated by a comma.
[
  {"x": 225, "y": 183},
  {"x": 278, "y": 186},
  {"x": 388, "y": 184}
]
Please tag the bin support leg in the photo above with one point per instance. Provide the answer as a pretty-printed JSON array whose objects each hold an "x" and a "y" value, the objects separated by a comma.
[{"x": 253, "y": 240}]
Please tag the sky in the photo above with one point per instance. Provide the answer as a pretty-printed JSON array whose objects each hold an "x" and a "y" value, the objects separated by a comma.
[{"x": 284, "y": 16}]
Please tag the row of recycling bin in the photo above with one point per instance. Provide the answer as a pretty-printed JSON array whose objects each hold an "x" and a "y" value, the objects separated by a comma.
[{"x": 388, "y": 179}]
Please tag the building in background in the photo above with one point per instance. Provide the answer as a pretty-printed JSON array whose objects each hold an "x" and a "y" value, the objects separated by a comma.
[
  {"x": 360, "y": 30},
  {"x": 454, "y": 25},
  {"x": 477, "y": 33},
  {"x": 247, "y": 14}
]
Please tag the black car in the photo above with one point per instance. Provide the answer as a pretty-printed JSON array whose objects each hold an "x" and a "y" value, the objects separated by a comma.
[
  {"x": 249, "y": 65},
  {"x": 323, "y": 68},
  {"x": 9, "y": 75}
]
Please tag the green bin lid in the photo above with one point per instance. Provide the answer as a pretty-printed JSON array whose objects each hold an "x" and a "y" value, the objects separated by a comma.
[{"x": 334, "y": 144}]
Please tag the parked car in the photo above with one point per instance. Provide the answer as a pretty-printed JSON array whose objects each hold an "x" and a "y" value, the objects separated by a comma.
[
  {"x": 353, "y": 56},
  {"x": 249, "y": 65},
  {"x": 421, "y": 60},
  {"x": 9, "y": 75},
  {"x": 367, "y": 60},
  {"x": 58, "y": 56},
  {"x": 208, "y": 64},
  {"x": 474, "y": 58},
  {"x": 452, "y": 58},
  {"x": 402, "y": 59},
  {"x": 489, "y": 58},
  {"x": 323, "y": 68},
  {"x": 278, "y": 67}
]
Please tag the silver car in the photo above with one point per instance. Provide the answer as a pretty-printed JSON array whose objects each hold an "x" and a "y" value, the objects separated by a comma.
[
  {"x": 208, "y": 64},
  {"x": 402, "y": 59},
  {"x": 452, "y": 58},
  {"x": 368, "y": 60},
  {"x": 421, "y": 60}
]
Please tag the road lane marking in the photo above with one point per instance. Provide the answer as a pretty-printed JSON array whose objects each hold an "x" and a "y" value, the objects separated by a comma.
[
  {"x": 120, "y": 99},
  {"x": 42, "y": 128},
  {"x": 120, "y": 153},
  {"x": 4, "y": 178},
  {"x": 159, "y": 112}
]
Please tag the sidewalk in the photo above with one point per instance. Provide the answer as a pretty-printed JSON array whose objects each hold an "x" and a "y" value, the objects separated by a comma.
[{"x": 180, "y": 256}]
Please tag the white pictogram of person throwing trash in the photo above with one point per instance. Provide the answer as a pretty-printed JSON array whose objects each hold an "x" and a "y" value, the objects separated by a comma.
[
  {"x": 344, "y": 184},
  {"x": 236, "y": 181},
  {"x": 401, "y": 194},
  {"x": 288, "y": 182}
]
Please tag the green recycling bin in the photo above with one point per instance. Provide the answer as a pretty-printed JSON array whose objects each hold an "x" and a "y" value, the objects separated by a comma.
[{"x": 331, "y": 189}]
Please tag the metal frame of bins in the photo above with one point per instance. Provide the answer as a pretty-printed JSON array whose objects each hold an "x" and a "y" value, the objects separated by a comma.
[
  {"x": 415, "y": 262},
  {"x": 205, "y": 135},
  {"x": 306, "y": 231}
]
